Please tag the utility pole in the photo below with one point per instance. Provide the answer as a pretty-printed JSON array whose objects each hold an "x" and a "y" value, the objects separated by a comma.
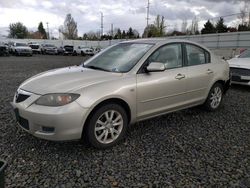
[
  {"x": 112, "y": 31},
  {"x": 147, "y": 13},
  {"x": 101, "y": 34},
  {"x": 147, "y": 19},
  {"x": 48, "y": 35}
]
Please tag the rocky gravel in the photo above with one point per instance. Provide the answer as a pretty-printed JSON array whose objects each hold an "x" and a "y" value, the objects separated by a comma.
[{"x": 190, "y": 148}]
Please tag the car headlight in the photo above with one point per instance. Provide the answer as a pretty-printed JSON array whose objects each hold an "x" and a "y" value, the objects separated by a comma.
[{"x": 57, "y": 99}]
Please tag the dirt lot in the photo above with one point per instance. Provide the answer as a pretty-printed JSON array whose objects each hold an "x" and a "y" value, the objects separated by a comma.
[{"x": 187, "y": 148}]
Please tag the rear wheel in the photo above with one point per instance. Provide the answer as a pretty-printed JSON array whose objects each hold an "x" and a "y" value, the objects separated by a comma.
[
  {"x": 214, "y": 98},
  {"x": 82, "y": 53},
  {"x": 107, "y": 126}
]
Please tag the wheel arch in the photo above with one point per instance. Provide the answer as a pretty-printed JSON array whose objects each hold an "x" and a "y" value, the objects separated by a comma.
[{"x": 118, "y": 101}]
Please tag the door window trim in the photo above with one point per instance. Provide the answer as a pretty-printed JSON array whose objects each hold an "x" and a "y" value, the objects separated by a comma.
[
  {"x": 207, "y": 58},
  {"x": 141, "y": 69}
]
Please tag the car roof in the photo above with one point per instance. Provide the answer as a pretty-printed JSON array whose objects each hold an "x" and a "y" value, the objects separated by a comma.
[{"x": 162, "y": 41}]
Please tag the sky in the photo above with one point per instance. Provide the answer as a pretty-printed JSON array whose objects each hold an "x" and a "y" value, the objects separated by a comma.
[{"x": 120, "y": 13}]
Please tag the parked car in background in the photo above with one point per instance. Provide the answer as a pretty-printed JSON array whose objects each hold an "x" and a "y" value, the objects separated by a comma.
[
  {"x": 68, "y": 50},
  {"x": 36, "y": 48},
  {"x": 128, "y": 82},
  {"x": 240, "y": 68},
  {"x": 49, "y": 49},
  {"x": 97, "y": 50},
  {"x": 4, "y": 49},
  {"x": 19, "y": 48},
  {"x": 83, "y": 50}
]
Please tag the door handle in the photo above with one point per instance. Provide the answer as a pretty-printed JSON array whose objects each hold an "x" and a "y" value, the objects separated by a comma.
[
  {"x": 209, "y": 71},
  {"x": 180, "y": 76}
]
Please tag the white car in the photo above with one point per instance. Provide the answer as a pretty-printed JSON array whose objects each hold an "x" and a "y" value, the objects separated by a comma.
[
  {"x": 240, "y": 68},
  {"x": 83, "y": 50},
  {"x": 19, "y": 48},
  {"x": 36, "y": 48}
]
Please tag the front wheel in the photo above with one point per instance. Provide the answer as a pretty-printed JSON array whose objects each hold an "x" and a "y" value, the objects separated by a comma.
[
  {"x": 214, "y": 98},
  {"x": 107, "y": 126}
]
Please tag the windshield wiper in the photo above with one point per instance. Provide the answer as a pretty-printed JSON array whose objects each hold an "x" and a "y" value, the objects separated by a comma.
[{"x": 96, "y": 68}]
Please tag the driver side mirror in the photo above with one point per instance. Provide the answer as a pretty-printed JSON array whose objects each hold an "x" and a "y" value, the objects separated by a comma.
[{"x": 156, "y": 67}]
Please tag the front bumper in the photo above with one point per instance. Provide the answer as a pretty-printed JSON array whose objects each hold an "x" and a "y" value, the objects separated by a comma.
[
  {"x": 50, "y": 123},
  {"x": 24, "y": 52},
  {"x": 242, "y": 80}
]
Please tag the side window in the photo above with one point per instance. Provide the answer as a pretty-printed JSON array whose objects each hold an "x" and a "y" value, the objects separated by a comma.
[
  {"x": 196, "y": 55},
  {"x": 170, "y": 55}
]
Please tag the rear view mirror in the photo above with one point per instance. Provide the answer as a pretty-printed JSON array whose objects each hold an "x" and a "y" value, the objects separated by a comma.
[{"x": 156, "y": 67}]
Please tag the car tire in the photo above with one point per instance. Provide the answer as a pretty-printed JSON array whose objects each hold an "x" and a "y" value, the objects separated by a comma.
[
  {"x": 107, "y": 126},
  {"x": 214, "y": 98},
  {"x": 82, "y": 53}
]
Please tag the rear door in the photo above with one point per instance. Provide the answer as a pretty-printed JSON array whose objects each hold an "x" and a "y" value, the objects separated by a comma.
[{"x": 200, "y": 72}]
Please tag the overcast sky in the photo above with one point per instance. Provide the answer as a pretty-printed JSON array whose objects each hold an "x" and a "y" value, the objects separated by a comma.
[{"x": 122, "y": 13}]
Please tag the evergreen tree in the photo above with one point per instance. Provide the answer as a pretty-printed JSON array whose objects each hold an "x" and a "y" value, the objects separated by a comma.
[
  {"x": 130, "y": 33},
  {"x": 220, "y": 26},
  {"x": 42, "y": 30},
  {"x": 208, "y": 28}
]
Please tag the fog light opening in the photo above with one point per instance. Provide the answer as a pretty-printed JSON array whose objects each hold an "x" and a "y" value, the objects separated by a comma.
[{"x": 48, "y": 129}]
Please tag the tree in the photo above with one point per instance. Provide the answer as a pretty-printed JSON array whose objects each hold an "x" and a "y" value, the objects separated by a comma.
[
  {"x": 124, "y": 35},
  {"x": 195, "y": 26},
  {"x": 243, "y": 27},
  {"x": 232, "y": 29},
  {"x": 118, "y": 33},
  {"x": 150, "y": 31},
  {"x": 184, "y": 26},
  {"x": 130, "y": 33},
  {"x": 220, "y": 26},
  {"x": 18, "y": 30},
  {"x": 160, "y": 26},
  {"x": 69, "y": 30},
  {"x": 158, "y": 29},
  {"x": 42, "y": 30},
  {"x": 208, "y": 28}
]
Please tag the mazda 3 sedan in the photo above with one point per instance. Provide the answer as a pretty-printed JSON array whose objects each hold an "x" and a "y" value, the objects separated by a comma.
[{"x": 126, "y": 83}]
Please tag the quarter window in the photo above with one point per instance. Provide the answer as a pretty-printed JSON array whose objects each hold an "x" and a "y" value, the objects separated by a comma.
[
  {"x": 196, "y": 55},
  {"x": 170, "y": 55}
]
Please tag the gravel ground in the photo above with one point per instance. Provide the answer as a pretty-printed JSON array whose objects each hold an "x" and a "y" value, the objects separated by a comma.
[{"x": 190, "y": 148}]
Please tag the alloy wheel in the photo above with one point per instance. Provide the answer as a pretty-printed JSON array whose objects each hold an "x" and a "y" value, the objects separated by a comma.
[
  {"x": 216, "y": 97},
  {"x": 108, "y": 126}
]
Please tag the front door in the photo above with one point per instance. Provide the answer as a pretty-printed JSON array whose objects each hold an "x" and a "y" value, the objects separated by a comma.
[{"x": 159, "y": 92}]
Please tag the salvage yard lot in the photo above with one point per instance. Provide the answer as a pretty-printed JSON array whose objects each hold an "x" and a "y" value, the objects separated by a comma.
[{"x": 191, "y": 147}]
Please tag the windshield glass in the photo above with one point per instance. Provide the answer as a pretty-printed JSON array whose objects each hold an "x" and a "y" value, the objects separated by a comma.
[
  {"x": 21, "y": 44},
  {"x": 119, "y": 58},
  {"x": 245, "y": 54}
]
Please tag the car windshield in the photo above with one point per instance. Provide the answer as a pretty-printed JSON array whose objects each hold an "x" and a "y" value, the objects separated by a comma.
[
  {"x": 21, "y": 44},
  {"x": 119, "y": 58},
  {"x": 245, "y": 54}
]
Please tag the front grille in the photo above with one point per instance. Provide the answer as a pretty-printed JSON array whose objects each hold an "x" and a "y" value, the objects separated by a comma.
[
  {"x": 35, "y": 47},
  {"x": 240, "y": 71},
  {"x": 238, "y": 79},
  {"x": 21, "y": 97}
]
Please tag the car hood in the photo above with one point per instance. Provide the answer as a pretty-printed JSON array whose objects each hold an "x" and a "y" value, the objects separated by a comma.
[
  {"x": 65, "y": 80},
  {"x": 240, "y": 63},
  {"x": 23, "y": 47}
]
